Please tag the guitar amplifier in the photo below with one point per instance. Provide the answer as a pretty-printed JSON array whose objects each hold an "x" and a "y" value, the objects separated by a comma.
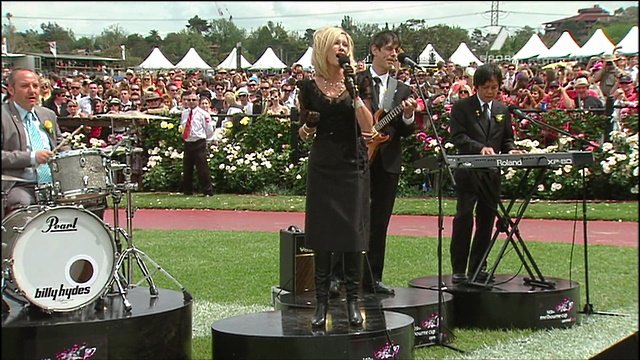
[{"x": 296, "y": 262}]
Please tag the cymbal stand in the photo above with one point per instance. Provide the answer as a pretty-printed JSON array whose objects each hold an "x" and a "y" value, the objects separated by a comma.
[{"x": 132, "y": 253}]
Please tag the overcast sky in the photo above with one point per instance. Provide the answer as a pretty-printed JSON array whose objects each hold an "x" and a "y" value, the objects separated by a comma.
[{"x": 91, "y": 18}]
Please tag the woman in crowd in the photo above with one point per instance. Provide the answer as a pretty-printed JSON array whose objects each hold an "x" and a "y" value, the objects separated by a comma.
[
  {"x": 45, "y": 90},
  {"x": 531, "y": 99},
  {"x": 275, "y": 104},
  {"x": 161, "y": 86},
  {"x": 337, "y": 202}
]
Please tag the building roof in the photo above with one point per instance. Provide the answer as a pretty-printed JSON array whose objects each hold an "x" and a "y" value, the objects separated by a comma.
[
  {"x": 589, "y": 14},
  {"x": 73, "y": 57}
]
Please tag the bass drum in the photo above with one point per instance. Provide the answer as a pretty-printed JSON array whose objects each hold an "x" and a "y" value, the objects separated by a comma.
[{"x": 57, "y": 258}]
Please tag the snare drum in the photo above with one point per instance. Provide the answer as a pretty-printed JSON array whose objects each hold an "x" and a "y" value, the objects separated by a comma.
[
  {"x": 79, "y": 175},
  {"x": 57, "y": 258}
]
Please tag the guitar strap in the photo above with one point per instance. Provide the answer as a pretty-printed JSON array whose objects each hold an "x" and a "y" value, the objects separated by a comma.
[{"x": 387, "y": 100}]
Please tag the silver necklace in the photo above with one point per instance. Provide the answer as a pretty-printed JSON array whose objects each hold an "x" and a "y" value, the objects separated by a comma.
[{"x": 339, "y": 85}]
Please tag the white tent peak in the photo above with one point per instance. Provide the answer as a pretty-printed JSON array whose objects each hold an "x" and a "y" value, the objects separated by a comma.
[
  {"x": 156, "y": 60},
  {"x": 564, "y": 47},
  {"x": 268, "y": 60},
  {"x": 192, "y": 60},
  {"x": 230, "y": 62},
  {"x": 463, "y": 56},
  {"x": 598, "y": 44},
  {"x": 425, "y": 58},
  {"x": 534, "y": 47},
  {"x": 629, "y": 43},
  {"x": 305, "y": 59}
]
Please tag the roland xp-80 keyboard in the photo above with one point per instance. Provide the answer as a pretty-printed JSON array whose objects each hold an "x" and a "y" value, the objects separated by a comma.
[{"x": 556, "y": 159}]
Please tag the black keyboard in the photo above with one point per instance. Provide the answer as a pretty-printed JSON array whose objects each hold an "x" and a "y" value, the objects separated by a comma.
[{"x": 557, "y": 159}]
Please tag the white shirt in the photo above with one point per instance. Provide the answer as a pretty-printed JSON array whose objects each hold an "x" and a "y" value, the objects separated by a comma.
[{"x": 201, "y": 124}]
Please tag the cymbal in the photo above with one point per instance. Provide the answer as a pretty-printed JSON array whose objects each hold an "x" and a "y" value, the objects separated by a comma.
[
  {"x": 12, "y": 178},
  {"x": 133, "y": 115}
]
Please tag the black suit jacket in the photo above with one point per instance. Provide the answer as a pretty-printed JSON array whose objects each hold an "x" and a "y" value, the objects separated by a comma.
[
  {"x": 469, "y": 136},
  {"x": 391, "y": 150}
]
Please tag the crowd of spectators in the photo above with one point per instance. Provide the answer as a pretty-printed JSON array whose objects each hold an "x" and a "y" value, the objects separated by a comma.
[{"x": 530, "y": 86}]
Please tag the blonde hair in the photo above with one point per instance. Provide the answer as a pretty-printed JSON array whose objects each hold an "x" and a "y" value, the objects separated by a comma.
[
  {"x": 323, "y": 40},
  {"x": 230, "y": 98}
]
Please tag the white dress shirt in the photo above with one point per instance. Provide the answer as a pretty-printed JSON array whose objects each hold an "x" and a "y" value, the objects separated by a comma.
[{"x": 201, "y": 124}]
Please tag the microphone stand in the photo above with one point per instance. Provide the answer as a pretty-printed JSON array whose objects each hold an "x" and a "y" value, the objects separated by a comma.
[
  {"x": 442, "y": 165},
  {"x": 588, "y": 307}
]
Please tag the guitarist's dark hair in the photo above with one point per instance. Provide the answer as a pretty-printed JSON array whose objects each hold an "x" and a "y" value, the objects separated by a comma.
[{"x": 383, "y": 38}]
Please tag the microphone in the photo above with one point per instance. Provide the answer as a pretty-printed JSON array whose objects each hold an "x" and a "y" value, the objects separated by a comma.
[
  {"x": 344, "y": 62},
  {"x": 519, "y": 114},
  {"x": 407, "y": 61}
]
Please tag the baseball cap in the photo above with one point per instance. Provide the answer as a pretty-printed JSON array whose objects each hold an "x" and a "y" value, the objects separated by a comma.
[
  {"x": 554, "y": 83},
  {"x": 625, "y": 79}
]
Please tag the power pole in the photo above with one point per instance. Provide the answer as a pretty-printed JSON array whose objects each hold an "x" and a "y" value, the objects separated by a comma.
[{"x": 494, "y": 13}]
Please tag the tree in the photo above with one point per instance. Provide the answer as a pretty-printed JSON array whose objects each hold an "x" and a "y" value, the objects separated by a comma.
[
  {"x": 198, "y": 25},
  {"x": 154, "y": 39}
]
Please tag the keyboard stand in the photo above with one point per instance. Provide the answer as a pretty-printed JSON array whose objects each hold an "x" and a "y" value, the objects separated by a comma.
[{"x": 507, "y": 224}]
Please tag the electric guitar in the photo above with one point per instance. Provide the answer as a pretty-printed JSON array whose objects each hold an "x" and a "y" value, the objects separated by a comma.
[{"x": 378, "y": 125}]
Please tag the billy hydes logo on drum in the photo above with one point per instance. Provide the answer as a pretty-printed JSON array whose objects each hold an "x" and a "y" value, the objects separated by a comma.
[
  {"x": 53, "y": 224},
  {"x": 61, "y": 292}
]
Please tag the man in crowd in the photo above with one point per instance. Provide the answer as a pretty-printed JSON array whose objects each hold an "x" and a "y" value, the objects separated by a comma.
[
  {"x": 582, "y": 99},
  {"x": 86, "y": 103},
  {"x": 58, "y": 101},
  {"x": 197, "y": 133}
]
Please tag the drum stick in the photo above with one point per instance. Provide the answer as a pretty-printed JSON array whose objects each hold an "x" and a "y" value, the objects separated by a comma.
[{"x": 74, "y": 133}]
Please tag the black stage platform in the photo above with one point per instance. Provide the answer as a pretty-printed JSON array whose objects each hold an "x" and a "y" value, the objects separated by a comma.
[
  {"x": 510, "y": 303},
  {"x": 420, "y": 304},
  {"x": 156, "y": 328},
  {"x": 287, "y": 334}
]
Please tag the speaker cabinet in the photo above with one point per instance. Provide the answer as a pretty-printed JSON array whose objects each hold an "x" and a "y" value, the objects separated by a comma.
[{"x": 296, "y": 262}]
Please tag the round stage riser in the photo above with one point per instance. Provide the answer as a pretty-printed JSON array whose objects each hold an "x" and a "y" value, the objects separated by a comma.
[
  {"x": 287, "y": 334},
  {"x": 511, "y": 303},
  {"x": 420, "y": 304},
  {"x": 158, "y": 328}
]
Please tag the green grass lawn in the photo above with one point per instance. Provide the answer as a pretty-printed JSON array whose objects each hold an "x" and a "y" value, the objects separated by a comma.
[
  {"x": 614, "y": 211},
  {"x": 231, "y": 273}
]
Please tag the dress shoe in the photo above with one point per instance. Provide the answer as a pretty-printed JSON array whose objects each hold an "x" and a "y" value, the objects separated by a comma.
[
  {"x": 458, "y": 278},
  {"x": 320, "y": 315},
  {"x": 379, "y": 288},
  {"x": 483, "y": 277}
]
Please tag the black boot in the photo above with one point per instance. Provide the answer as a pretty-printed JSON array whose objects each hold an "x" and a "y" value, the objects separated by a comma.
[
  {"x": 353, "y": 273},
  {"x": 322, "y": 270}
]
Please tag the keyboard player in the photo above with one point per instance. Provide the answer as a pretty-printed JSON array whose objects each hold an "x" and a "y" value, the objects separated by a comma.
[{"x": 480, "y": 124}]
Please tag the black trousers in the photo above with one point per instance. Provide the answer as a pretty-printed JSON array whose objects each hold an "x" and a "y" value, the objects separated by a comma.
[
  {"x": 195, "y": 154},
  {"x": 482, "y": 195}
]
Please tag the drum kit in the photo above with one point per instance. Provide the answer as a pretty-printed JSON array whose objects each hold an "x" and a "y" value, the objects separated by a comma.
[{"x": 57, "y": 255}]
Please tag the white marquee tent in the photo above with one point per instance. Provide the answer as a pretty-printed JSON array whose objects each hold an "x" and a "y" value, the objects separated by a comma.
[
  {"x": 192, "y": 60},
  {"x": 429, "y": 56},
  {"x": 463, "y": 56},
  {"x": 534, "y": 47},
  {"x": 155, "y": 61},
  {"x": 305, "y": 59},
  {"x": 230, "y": 62},
  {"x": 268, "y": 60},
  {"x": 629, "y": 43},
  {"x": 563, "y": 48},
  {"x": 598, "y": 44}
]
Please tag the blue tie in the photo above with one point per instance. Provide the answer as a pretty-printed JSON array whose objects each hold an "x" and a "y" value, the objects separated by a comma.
[{"x": 35, "y": 138}]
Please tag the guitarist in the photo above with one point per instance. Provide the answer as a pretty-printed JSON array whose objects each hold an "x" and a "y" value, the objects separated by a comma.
[{"x": 387, "y": 161}]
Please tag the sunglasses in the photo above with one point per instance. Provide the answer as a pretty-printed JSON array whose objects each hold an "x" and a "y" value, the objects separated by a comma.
[
  {"x": 190, "y": 99},
  {"x": 243, "y": 95},
  {"x": 132, "y": 89},
  {"x": 75, "y": 87},
  {"x": 264, "y": 88},
  {"x": 219, "y": 89},
  {"x": 287, "y": 90},
  {"x": 72, "y": 106},
  {"x": 253, "y": 84},
  {"x": 464, "y": 92}
]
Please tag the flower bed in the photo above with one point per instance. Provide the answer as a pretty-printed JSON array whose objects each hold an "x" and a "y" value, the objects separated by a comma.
[{"x": 261, "y": 156}]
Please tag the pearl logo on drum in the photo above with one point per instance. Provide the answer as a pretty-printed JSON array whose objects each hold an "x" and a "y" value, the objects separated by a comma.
[
  {"x": 54, "y": 225},
  {"x": 52, "y": 293}
]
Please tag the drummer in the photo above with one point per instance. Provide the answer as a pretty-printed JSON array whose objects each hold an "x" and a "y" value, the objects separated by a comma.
[{"x": 30, "y": 134}]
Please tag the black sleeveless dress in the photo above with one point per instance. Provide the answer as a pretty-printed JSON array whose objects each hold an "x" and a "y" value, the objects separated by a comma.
[{"x": 337, "y": 203}]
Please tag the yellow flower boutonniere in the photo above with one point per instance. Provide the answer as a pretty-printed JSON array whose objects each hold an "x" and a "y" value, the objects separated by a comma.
[
  {"x": 499, "y": 117},
  {"x": 49, "y": 126}
]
